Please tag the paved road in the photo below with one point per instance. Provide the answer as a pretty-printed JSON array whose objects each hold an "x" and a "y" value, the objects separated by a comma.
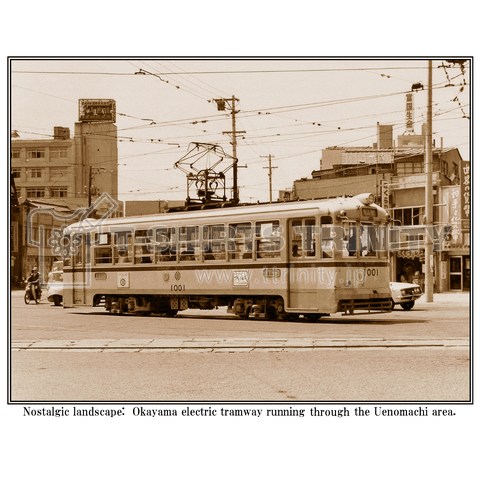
[{"x": 85, "y": 354}]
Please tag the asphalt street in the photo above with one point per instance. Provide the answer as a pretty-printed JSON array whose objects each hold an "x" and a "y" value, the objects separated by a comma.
[{"x": 86, "y": 355}]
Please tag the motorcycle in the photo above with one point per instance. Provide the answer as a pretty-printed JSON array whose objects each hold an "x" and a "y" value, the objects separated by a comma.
[{"x": 29, "y": 296}]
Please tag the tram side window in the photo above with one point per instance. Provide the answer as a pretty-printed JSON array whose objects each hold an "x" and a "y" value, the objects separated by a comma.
[
  {"x": 351, "y": 242},
  {"x": 268, "y": 239},
  {"x": 79, "y": 250},
  {"x": 88, "y": 246},
  {"x": 327, "y": 235},
  {"x": 214, "y": 242},
  {"x": 240, "y": 244},
  {"x": 123, "y": 249},
  {"x": 188, "y": 243},
  {"x": 66, "y": 259},
  {"x": 103, "y": 248},
  {"x": 165, "y": 248},
  {"x": 143, "y": 246},
  {"x": 303, "y": 238}
]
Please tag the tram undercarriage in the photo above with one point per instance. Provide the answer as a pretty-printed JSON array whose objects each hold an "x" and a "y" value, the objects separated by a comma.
[{"x": 257, "y": 307}]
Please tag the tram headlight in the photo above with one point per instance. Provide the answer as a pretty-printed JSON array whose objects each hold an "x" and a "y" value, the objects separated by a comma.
[{"x": 365, "y": 198}]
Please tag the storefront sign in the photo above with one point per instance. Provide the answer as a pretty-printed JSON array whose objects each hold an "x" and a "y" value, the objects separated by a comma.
[
  {"x": 409, "y": 118},
  {"x": 385, "y": 194},
  {"x": 465, "y": 196},
  {"x": 455, "y": 210}
]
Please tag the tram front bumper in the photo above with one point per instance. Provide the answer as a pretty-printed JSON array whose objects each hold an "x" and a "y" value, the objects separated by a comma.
[{"x": 375, "y": 302}]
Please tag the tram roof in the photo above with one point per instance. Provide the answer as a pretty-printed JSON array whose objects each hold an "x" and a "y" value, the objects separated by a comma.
[{"x": 332, "y": 205}]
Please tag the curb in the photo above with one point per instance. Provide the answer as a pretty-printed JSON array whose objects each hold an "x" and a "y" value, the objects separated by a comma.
[{"x": 233, "y": 344}]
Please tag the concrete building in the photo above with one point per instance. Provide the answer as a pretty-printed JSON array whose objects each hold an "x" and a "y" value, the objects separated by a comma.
[
  {"x": 76, "y": 170},
  {"x": 58, "y": 176},
  {"x": 396, "y": 177},
  {"x": 150, "y": 207}
]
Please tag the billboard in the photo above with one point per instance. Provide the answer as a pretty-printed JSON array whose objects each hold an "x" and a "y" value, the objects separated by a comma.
[
  {"x": 96, "y": 110},
  {"x": 409, "y": 113},
  {"x": 465, "y": 195}
]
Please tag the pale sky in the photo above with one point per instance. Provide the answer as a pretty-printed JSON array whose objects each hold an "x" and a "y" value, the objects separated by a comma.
[{"x": 289, "y": 108}]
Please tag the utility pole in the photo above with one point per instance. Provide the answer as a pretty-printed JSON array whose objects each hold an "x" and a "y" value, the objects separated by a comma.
[
  {"x": 91, "y": 175},
  {"x": 429, "y": 195},
  {"x": 221, "y": 102},
  {"x": 269, "y": 172}
]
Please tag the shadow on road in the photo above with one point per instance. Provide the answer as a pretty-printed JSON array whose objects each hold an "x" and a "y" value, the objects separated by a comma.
[{"x": 350, "y": 320}]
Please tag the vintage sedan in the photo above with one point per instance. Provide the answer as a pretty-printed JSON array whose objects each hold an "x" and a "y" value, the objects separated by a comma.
[
  {"x": 55, "y": 287},
  {"x": 405, "y": 294}
]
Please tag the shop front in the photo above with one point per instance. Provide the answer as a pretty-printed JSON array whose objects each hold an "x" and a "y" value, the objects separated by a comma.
[{"x": 410, "y": 267}]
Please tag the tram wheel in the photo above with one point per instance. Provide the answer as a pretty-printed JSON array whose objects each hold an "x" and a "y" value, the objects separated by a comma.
[
  {"x": 246, "y": 314},
  {"x": 271, "y": 313}
]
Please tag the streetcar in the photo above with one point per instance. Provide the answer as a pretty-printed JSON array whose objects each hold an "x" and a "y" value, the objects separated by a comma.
[{"x": 281, "y": 260}]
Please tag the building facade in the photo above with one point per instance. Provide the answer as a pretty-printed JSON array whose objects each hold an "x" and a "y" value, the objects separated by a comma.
[
  {"x": 52, "y": 179},
  {"x": 398, "y": 182},
  {"x": 76, "y": 170}
]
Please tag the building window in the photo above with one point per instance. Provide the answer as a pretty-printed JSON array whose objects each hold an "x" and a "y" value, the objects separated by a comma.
[
  {"x": 409, "y": 168},
  {"x": 36, "y": 153},
  {"x": 35, "y": 173},
  {"x": 35, "y": 192},
  {"x": 15, "y": 153},
  {"x": 16, "y": 172},
  {"x": 455, "y": 169},
  {"x": 445, "y": 168},
  {"x": 410, "y": 216},
  {"x": 58, "y": 192},
  {"x": 58, "y": 152}
]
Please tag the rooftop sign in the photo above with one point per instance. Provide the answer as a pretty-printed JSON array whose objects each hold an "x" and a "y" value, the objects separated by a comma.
[{"x": 95, "y": 110}]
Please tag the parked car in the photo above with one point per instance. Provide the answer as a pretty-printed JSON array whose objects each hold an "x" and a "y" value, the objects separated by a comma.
[
  {"x": 405, "y": 294},
  {"x": 55, "y": 284}
]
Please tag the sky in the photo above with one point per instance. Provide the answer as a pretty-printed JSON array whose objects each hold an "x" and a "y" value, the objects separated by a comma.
[{"x": 289, "y": 108}]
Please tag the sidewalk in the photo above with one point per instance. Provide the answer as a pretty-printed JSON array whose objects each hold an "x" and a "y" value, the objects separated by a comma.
[{"x": 447, "y": 298}]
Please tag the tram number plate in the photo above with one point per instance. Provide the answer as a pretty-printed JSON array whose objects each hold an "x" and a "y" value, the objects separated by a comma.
[
  {"x": 271, "y": 272},
  {"x": 240, "y": 278},
  {"x": 123, "y": 280}
]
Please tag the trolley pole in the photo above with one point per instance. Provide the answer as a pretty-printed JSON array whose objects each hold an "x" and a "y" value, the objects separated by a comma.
[
  {"x": 269, "y": 172},
  {"x": 429, "y": 194}
]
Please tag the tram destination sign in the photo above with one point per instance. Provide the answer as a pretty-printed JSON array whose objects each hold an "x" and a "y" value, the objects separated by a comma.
[{"x": 96, "y": 110}]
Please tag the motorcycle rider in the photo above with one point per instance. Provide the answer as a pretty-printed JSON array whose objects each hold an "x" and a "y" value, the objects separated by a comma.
[{"x": 34, "y": 281}]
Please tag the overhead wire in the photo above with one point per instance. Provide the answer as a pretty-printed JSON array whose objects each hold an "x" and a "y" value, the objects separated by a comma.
[{"x": 275, "y": 111}]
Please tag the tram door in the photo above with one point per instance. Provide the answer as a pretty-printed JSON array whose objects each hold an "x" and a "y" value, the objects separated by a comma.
[
  {"x": 302, "y": 273},
  {"x": 78, "y": 261}
]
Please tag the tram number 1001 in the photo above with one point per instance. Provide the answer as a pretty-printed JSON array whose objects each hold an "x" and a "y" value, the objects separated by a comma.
[{"x": 177, "y": 288}]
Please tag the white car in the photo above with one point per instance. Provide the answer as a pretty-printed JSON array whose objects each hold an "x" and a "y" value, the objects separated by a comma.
[
  {"x": 405, "y": 294},
  {"x": 55, "y": 287}
]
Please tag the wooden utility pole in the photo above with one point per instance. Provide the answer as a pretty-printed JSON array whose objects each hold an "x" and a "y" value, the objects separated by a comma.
[
  {"x": 269, "y": 172},
  {"x": 221, "y": 107},
  {"x": 429, "y": 195}
]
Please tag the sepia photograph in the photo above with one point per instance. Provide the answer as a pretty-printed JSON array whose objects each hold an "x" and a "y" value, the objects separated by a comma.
[{"x": 240, "y": 230}]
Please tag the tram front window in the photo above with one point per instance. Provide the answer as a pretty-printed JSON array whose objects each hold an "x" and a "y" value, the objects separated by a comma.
[{"x": 369, "y": 240}]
